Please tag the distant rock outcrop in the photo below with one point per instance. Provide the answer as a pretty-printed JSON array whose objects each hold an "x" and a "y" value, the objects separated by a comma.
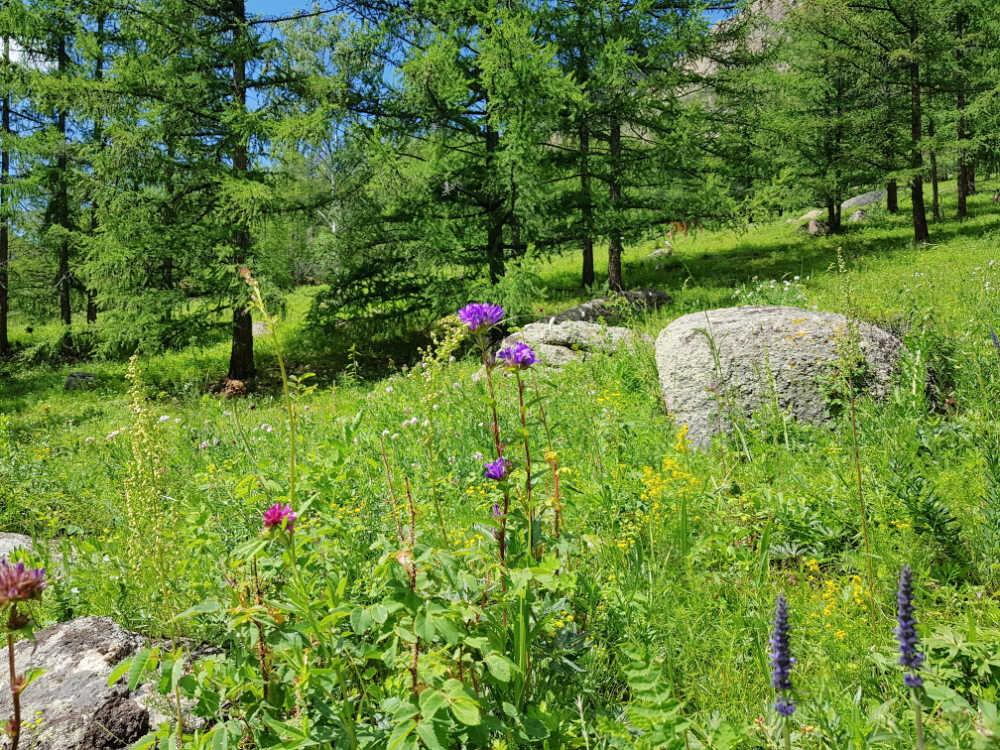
[
  {"x": 72, "y": 702},
  {"x": 614, "y": 309},
  {"x": 718, "y": 363},
  {"x": 865, "y": 199},
  {"x": 557, "y": 344},
  {"x": 11, "y": 542}
]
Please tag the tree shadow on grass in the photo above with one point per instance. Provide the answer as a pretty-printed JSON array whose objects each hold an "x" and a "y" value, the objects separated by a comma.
[{"x": 771, "y": 254}]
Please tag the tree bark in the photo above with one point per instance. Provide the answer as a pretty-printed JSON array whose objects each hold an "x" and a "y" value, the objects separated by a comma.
[
  {"x": 935, "y": 188},
  {"x": 495, "y": 212},
  {"x": 99, "y": 143},
  {"x": 615, "y": 281},
  {"x": 241, "y": 364},
  {"x": 920, "y": 231},
  {"x": 64, "y": 282},
  {"x": 586, "y": 208},
  {"x": 962, "y": 125},
  {"x": 892, "y": 197},
  {"x": 4, "y": 221}
]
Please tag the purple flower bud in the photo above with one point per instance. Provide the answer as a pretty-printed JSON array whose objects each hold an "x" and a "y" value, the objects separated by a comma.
[
  {"x": 906, "y": 630},
  {"x": 497, "y": 470},
  {"x": 497, "y": 512},
  {"x": 280, "y": 516},
  {"x": 518, "y": 357},
  {"x": 480, "y": 315},
  {"x": 781, "y": 659},
  {"x": 19, "y": 583}
]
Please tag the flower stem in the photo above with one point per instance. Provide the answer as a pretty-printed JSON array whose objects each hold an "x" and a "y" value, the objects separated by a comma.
[
  {"x": 527, "y": 461},
  {"x": 14, "y": 728},
  {"x": 918, "y": 719},
  {"x": 786, "y": 732}
]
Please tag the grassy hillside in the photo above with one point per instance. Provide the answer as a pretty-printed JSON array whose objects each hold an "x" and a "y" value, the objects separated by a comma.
[{"x": 668, "y": 560}]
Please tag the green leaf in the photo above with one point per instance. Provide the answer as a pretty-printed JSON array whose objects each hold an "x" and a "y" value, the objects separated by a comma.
[
  {"x": 31, "y": 675},
  {"x": 145, "y": 659},
  {"x": 431, "y": 701},
  {"x": 500, "y": 666},
  {"x": 463, "y": 705}
]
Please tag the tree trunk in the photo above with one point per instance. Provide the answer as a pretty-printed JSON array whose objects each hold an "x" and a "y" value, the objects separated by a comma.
[
  {"x": 892, "y": 197},
  {"x": 963, "y": 125},
  {"x": 99, "y": 143},
  {"x": 920, "y": 231},
  {"x": 586, "y": 208},
  {"x": 935, "y": 189},
  {"x": 64, "y": 283},
  {"x": 4, "y": 222},
  {"x": 970, "y": 178},
  {"x": 615, "y": 281},
  {"x": 241, "y": 364},
  {"x": 494, "y": 212}
]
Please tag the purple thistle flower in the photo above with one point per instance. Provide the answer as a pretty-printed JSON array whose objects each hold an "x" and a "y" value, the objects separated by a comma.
[
  {"x": 280, "y": 516},
  {"x": 781, "y": 658},
  {"x": 19, "y": 583},
  {"x": 497, "y": 470},
  {"x": 906, "y": 630},
  {"x": 480, "y": 315},
  {"x": 518, "y": 357}
]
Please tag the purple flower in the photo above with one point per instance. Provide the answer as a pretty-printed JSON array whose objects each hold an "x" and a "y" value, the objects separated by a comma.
[
  {"x": 496, "y": 511},
  {"x": 280, "y": 516},
  {"x": 19, "y": 583},
  {"x": 518, "y": 357},
  {"x": 906, "y": 630},
  {"x": 781, "y": 659},
  {"x": 480, "y": 315},
  {"x": 497, "y": 470}
]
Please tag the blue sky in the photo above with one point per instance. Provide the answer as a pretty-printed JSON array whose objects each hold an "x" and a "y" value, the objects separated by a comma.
[{"x": 276, "y": 7}]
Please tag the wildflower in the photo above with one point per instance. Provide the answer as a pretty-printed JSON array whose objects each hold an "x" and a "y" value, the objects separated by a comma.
[
  {"x": 203, "y": 445},
  {"x": 19, "y": 583},
  {"x": 476, "y": 377},
  {"x": 781, "y": 659},
  {"x": 89, "y": 440},
  {"x": 388, "y": 389},
  {"x": 518, "y": 357},
  {"x": 497, "y": 470},
  {"x": 281, "y": 516},
  {"x": 394, "y": 435},
  {"x": 477, "y": 456},
  {"x": 227, "y": 414},
  {"x": 906, "y": 630},
  {"x": 385, "y": 433},
  {"x": 177, "y": 420},
  {"x": 266, "y": 427},
  {"x": 480, "y": 315},
  {"x": 496, "y": 511},
  {"x": 164, "y": 418},
  {"x": 112, "y": 435}
]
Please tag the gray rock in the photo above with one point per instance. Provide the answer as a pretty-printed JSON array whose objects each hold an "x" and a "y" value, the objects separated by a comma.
[
  {"x": 661, "y": 252},
  {"x": 815, "y": 227},
  {"x": 758, "y": 353},
  {"x": 857, "y": 217},
  {"x": 556, "y": 344},
  {"x": 11, "y": 542},
  {"x": 613, "y": 309},
  {"x": 865, "y": 199},
  {"x": 80, "y": 380},
  {"x": 72, "y": 702},
  {"x": 814, "y": 214}
]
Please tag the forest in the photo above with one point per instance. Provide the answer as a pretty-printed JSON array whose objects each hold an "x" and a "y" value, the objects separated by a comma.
[{"x": 463, "y": 374}]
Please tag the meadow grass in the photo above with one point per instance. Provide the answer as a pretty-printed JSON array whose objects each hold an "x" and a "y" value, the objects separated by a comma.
[{"x": 668, "y": 558}]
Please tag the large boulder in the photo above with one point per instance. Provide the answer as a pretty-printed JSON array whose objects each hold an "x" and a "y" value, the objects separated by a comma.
[
  {"x": 70, "y": 706},
  {"x": 559, "y": 343},
  {"x": 739, "y": 358},
  {"x": 814, "y": 214},
  {"x": 614, "y": 309},
  {"x": 865, "y": 199}
]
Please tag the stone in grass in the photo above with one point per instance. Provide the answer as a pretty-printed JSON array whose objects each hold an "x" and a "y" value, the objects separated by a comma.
[
  {"x": 736, "y": 359},
  {"x": 614, "y": 309},
  {"x": 857, "y": 217},
  {"x": 11, "y": 542},
  {"x": 557, "y": 344},
  {"x": 71, "y": 706},
  {"x": 865, "y": 199},
  {"x": 79, "y": 380}
]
